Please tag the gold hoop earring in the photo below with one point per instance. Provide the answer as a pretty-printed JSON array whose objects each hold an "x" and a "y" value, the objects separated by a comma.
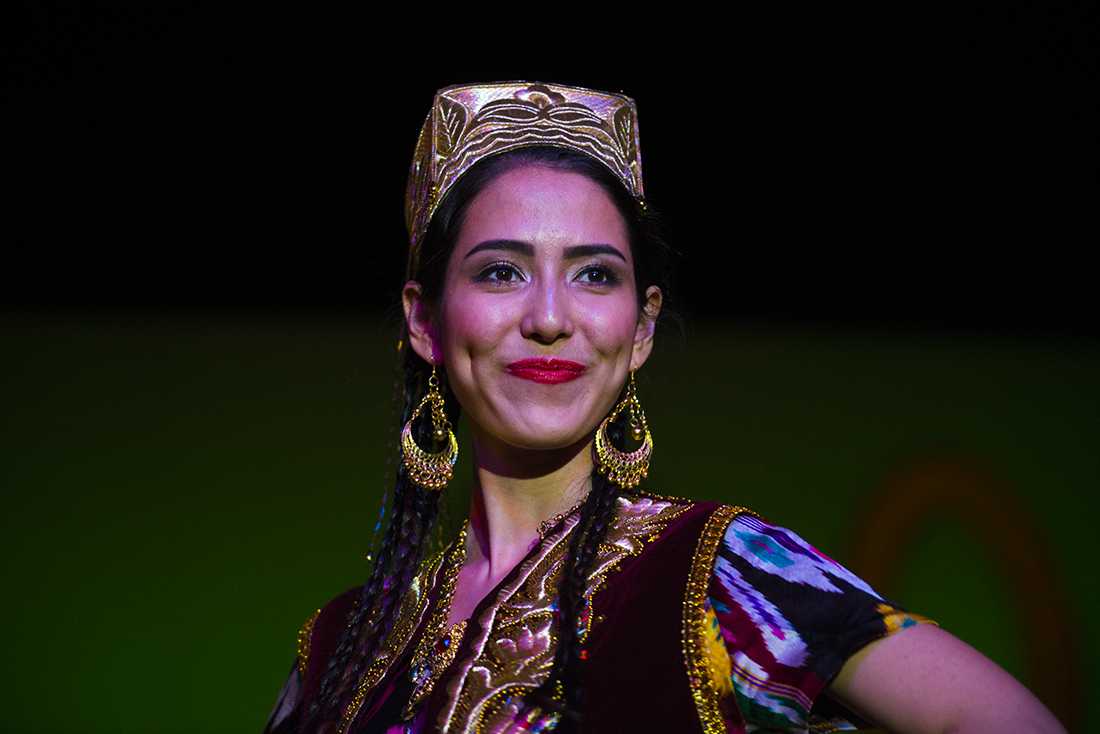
[
  {"x": 430, "y": 470},
  {"x": 625, "y": 469}
]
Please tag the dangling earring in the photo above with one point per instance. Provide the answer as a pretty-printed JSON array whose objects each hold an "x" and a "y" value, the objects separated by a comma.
[
  {"x": 626, "y": 470},
  {"x": 430, "y": 470}
]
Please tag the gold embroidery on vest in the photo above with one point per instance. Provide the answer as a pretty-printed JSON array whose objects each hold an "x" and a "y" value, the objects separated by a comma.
[
  {"x": 513, "y": 650},
  {"x": 705, "y": 691},
  {"x": 412, "y": 609}
]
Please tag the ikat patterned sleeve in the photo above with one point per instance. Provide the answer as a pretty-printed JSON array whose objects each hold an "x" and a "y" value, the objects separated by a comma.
[{"x": 790, "y": 617}]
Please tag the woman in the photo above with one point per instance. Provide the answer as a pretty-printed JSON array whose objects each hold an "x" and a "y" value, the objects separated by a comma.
[{"x": 572, "y": 599}]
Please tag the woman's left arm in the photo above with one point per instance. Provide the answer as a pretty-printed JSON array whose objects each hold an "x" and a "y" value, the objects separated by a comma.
[{"x": 925, "y": 680}]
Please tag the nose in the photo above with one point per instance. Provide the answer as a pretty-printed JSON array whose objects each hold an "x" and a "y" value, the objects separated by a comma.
[{"x": 547, "y": 316}]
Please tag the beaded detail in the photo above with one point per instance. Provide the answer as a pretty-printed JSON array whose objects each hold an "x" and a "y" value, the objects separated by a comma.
[
  {"x": 515, "y": 639},
  {"x": 413, "y": 607},
  {"x": 547, "y": 525},
  {"x": 304, "y": 636},
  {"x": 437, "y": 647},
  {"x": 703, "y": 679}
]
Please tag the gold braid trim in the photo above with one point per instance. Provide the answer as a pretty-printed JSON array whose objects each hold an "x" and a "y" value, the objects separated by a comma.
[
  {"x": 410, "y": 612},
  {"x": 703, "y": 689},
  {"x": 304, "y": 636}
]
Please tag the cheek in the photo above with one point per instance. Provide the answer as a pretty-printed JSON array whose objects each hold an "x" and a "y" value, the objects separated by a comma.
[
  {"x": 612, "y": 328},
  {"x": 472, "y": 324}
]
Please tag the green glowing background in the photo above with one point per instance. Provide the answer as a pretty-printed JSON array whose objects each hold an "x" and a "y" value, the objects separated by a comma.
[{"x": 182, "y": 491}]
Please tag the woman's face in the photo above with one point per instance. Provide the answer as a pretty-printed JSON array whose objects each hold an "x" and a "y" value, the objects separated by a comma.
[{"x": 542, "y": 269}]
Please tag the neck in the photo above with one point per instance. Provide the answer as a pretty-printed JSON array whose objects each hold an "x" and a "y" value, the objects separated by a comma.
[{"x": 514, "y": 490}]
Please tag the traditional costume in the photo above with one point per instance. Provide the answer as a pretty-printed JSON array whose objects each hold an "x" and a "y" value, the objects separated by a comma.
[{"x": 697, "y": 615}]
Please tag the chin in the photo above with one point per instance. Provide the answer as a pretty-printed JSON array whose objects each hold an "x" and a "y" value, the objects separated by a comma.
[
  {"x": 546, "y": 445},
  {"x": 546, "y": 437}
]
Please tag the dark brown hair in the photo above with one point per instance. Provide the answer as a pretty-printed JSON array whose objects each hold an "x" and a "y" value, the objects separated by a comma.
[{"x": 414, "y": 512}]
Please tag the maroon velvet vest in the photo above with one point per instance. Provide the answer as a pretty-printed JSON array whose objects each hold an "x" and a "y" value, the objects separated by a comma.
[
  {"x": 643, "y": 672},
  {"x": 637, "y": 676}
]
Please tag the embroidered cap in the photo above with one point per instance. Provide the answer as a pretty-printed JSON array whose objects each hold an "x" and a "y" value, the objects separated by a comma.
[{"x": 470, "y": 122}]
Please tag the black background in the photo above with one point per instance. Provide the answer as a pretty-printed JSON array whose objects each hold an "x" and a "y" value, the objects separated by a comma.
[{"x": 902, "y": 171}]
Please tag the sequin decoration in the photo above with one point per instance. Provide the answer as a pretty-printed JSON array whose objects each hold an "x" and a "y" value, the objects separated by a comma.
[
  {"x": 304, "y": 636},
  {"x": 516, "y": 637},
  {"x": 409, "y": 615},
  {"x": 437, "y": 647},
  {"x": 698, "y": 631}
]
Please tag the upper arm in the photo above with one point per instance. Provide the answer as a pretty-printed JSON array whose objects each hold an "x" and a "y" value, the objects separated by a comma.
[
  {"x": 790, "y": 618},
  {"x": 924, "y": 679}
]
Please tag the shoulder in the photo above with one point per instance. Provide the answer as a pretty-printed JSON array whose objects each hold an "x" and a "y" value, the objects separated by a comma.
[
  {"x": 789, "y": 616},
  {"x": 690, "y": 530},
  {"x": 763, "y": 565},
  {"x": 320, "y": 633},
  {"x": 670, "y": 519},
  {"x": 752, "y": 546},
  {"x": 337, "y": 608},
  {"x": 649, "y": 502}
]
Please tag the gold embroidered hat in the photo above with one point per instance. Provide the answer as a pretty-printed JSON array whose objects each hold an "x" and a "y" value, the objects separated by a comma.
[{"x": 470, "y": 122}]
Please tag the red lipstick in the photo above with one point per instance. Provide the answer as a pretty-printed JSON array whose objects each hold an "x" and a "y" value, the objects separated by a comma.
[{"x": 546, "y": 370}]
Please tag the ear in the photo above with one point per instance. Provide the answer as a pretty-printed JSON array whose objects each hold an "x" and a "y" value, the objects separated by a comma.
[
  {"x": 647, "y": 324},
  {"x": 423, "y": 334}
]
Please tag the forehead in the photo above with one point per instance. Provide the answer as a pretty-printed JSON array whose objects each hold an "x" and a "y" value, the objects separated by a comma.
[{"x": 546, "y": 207}]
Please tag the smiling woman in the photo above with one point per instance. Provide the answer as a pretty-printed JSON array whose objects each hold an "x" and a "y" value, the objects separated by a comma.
[
  {"x": 574, "y": 303},
  {"x": 571, "y": 598}
]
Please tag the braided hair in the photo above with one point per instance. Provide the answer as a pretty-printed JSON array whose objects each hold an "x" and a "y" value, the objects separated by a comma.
[{"x": 414, "y": 511}]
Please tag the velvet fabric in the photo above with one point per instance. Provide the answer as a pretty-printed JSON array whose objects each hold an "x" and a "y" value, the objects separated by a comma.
[
  {"x": 635, "y": 645},
  {"x": 635, "y": 678}
]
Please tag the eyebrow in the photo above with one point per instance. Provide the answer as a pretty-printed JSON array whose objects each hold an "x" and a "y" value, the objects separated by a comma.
[{"x": 526, "y": 248}]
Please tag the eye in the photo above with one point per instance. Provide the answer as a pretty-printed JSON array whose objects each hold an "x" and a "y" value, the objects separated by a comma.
[
  {"x": 505, "y": 272},
  {"x": 598, "y": 275}
]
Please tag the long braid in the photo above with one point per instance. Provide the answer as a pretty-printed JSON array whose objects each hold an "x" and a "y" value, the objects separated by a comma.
[
  {"x": 414, "y": 513},
  {"x": 578, "y": 582},
  {"x": 326, "y": 698},
  {"x": 597, "y": 516}
]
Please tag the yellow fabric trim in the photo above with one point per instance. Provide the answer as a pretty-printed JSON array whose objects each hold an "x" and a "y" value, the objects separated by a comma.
[{"x": 896, "y": 619}]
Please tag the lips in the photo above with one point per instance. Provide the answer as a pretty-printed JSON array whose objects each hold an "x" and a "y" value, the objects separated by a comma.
[{"x": 547, "y": 370}]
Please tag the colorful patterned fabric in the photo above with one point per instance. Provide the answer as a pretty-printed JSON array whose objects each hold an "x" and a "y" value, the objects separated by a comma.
[{"x": 789, "y": 617}]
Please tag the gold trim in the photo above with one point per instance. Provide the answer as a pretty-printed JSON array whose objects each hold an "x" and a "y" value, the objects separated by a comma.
[
  {"x": 413, "y": 607},
  {"x": 513, "y": 648},
  {"x": 547, "y": 525},
  {"x": 656, "y": 496},
  {"x": 703, "y": 691},
  {"x": 428, "y": 661},
  {"x": 305, "y": 634},
  {"x": 470, "y": 122}
]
